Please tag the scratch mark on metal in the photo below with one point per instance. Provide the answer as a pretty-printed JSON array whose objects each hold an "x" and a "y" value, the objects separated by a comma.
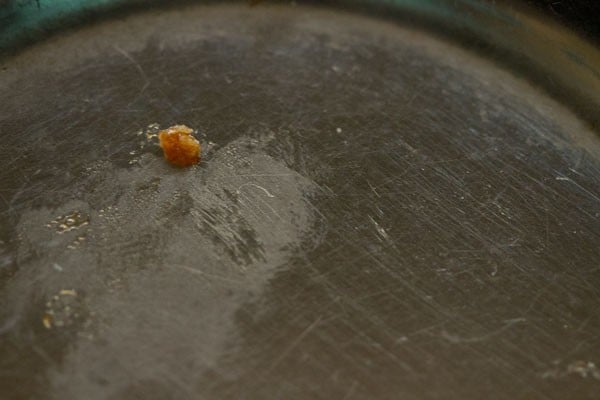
[
  {"x": 255, "y": 205},
  {"x": 137, "y": 65},
  {"x": 379, "y": 229},
  {"x": 576, "y": 172},
  {"x": 255, "y": 175},
  {"x": 455, "y": 339},
  {"x": 293, "y": 345},
  {"x": 373, "y": 189},
  {"x": 204, "y": 274},
  {"x": 582, "y": 368},
  {"x": 547, "y": 226},
  {"x": 257, "y": 186}
]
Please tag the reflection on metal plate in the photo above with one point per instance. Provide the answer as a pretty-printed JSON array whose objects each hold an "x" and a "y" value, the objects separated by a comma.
[{"x": 377, "y": 214}]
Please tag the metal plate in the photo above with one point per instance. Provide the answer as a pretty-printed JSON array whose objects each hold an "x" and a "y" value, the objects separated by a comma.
[{"x": 378, "y": 214}]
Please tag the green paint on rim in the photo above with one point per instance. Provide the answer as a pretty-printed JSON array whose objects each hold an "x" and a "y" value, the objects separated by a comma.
[{"x": 25, "y": 21}]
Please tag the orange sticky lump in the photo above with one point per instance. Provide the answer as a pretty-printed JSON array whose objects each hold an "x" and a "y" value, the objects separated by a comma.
[{"x": 179, "y": 146}]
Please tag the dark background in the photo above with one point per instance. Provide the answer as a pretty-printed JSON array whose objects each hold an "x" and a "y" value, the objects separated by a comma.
[{"x": 581, "y": 15}]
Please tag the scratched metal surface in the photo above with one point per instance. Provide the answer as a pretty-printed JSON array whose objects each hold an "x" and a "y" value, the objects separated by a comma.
[{"x": 378, "y": 214}]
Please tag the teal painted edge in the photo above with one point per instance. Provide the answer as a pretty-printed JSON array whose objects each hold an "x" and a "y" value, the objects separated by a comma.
[
  {"x": 23, "y": 21},
  {"x": 28, "y": 20}
]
